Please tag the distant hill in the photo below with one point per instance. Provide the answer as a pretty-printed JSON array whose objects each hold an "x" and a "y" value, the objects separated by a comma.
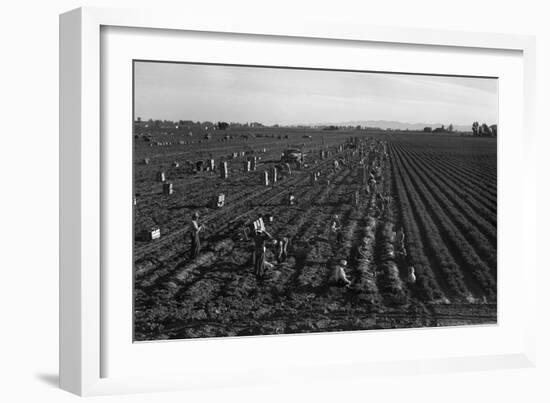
[{"x": 394, "y": 125}]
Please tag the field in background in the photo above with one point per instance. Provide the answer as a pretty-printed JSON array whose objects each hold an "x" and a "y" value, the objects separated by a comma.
[{"x": 444, "y": 196}]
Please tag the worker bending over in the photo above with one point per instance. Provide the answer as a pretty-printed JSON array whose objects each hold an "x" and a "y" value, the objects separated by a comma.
[{"x": 338, "y": 275}]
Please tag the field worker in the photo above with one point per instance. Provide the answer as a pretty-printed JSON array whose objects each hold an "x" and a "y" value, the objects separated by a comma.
[
  {"x": 372, "y": 185},
  {"x": 260, "y": 239},
  {"x": 282, "y": 252},
  {"x": 196, "y": 228},
  {"x": 411, "y": 277},
  {"x": 291, "y": 199},
  {"x": 335, "y": 224},
  {"x": 336, "y": 229},
  {"x": 401, "y": 239},
  {"x": 365, "y": 249},
  {"x": 339, "y": 274}
]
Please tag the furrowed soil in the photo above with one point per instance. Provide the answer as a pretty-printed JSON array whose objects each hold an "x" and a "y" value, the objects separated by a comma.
[{"x": 217, "y": 294}]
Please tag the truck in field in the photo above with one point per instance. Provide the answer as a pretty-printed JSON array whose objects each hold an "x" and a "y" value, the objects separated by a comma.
[{"x": 293, "y": 156}]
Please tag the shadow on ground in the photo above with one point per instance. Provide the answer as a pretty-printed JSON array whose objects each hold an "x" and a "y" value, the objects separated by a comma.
[{"x": 49, "y": 379}]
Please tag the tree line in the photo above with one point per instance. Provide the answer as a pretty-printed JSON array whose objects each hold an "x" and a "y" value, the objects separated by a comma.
[{"x": 484, "y": 130}]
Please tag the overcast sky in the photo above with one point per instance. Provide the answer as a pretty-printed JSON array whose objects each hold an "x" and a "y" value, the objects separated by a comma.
[{"x": 175, "y": 91}]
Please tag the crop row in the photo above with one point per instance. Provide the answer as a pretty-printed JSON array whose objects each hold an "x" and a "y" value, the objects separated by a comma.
[
  {"x": 449, "y": 201},
  {"x": 481, "y": 215},
  {"x": 474, "y": 185},
  {"x": 469, "y": 188},
  {"x": 480, "y": 271},
  {"x": 427, "y": 286},
  {"x": 363, "y": 258},
  {"x": 482, "y": 166},
  {"x": 436, "y": 247},
  {"x": 480, "y": 169}
]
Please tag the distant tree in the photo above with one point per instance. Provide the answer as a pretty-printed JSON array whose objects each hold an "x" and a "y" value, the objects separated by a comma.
[
  {"x": 493, "y": 130},
  {"x": 223, "y": 125},
  {"x": 485, "y": 130},
  {"x": 475, "y": 128},
  {"x": 139, "y": 119},
  {"x": 450, "y": 128}
]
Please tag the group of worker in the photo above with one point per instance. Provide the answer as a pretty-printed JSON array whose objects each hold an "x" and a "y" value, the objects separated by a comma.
[{"x": 262, "y": 239}]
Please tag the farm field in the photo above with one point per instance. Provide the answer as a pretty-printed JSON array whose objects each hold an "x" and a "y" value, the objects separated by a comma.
[{"x": 440, "y": 189}]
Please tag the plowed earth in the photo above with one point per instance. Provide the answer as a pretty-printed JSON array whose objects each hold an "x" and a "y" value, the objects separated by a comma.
[{"x": 443, "y": 191}]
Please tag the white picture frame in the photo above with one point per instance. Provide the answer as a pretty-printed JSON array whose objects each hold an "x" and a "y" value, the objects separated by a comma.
[{"x": 82, "y": 304}]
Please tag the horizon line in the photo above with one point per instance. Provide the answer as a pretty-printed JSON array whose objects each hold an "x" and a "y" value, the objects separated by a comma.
[{"x": 347, "y": 123}]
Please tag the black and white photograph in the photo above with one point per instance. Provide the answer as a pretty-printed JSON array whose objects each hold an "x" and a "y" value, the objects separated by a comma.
[
  {"x": 290, "y": 201},
  {"x": 273, "y": 200}
]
